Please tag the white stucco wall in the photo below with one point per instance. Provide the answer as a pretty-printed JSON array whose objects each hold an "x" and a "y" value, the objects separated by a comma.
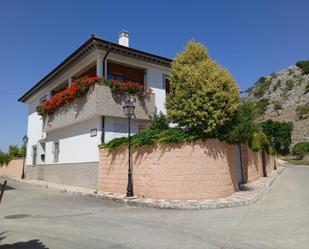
[
  {"x": 34, "y": 131},
  {"x": 75, "y": 143},
  {"x": 155, "y": 82},
  {"x": 118, "y": 127}
]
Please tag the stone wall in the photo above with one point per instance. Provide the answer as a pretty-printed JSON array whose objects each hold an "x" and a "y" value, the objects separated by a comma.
[
  {"x": 13, "y": 169},
  {"x": 173, "y": 171},
  {"x": 83, "y": 175}
]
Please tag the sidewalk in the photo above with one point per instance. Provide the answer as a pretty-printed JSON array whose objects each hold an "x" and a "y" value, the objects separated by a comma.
[{"x": 248, "y": 194}]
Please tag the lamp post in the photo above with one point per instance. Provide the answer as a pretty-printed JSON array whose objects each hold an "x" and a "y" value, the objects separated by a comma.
[
  {"x": 128, "y": 110},
  {"x": 25, "y": 140}
]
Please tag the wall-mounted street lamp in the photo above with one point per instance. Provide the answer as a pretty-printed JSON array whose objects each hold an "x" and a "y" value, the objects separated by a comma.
[
  {"x": 25, "y": 141},
  {"x": 128, "y": 110}
]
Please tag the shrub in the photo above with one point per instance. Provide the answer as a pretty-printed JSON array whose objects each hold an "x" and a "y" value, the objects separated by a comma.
[
  {"x": 4, "y": 158},
  {"x": 242, "y": 125},
  {"x": 159, "y": 122},
  {"x": 117, "y": 142},
  {"x": 304, "y": 66},
  {"x": 280, "y": 133},
  {"x": 257, "y": 141},
  {"x": 307, "y": 88},
  {"x": 302, "y": 111},
  {"x": 240, "y": 129},
  {"x": 277, "y": 106},
  {"x": 300, "y": 149},
  {"x": 276, "y": 85},
  {"x": 15, "y": 151},
  {"x": 262, "y": 85},
  {"x": 289, "y": 85},
  {"x": 203, "y": 95},
  {"x": 261, "y": 106}
]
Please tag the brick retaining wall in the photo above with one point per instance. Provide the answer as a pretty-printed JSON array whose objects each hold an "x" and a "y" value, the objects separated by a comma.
[
  {"x": 173, "y": 171},
  {"x": 252, "y": 163},
  {"x": 13, "y": 169}
]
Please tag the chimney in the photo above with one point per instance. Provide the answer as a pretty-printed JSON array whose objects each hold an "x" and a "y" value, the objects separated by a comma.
[{"x": 123, "y": 38}]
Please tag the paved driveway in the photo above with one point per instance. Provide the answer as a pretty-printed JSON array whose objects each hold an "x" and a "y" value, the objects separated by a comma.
[{"x": 34, "y": 217}]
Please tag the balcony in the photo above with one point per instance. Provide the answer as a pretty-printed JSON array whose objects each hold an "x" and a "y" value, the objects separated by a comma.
[{"x": 99, "y": 101}]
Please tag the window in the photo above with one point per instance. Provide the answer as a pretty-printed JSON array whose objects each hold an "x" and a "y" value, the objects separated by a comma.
[
  {"x": 122, "y": 72},
  {"x": 43, "y": 99},
  {"x": 34, "y": 154},
  {"x": 59, "y": 88},
  {"x": 120, "y": 128},
  {"x": 42, "y": 154},
  {"x": 166, "y": 84},
  {"x": 113, "y": 76},
  {"x": 56, "y": 152}
]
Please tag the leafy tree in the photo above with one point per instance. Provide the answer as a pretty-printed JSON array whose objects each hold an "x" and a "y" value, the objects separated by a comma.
[
  {"x": 304, "y": 66},
  {"x": 242, "y": 125},
  {"x": 301, "y": 149},
  {"x": 279, "y": 133},
  {"x": 289, "y": 85},
  {"x": 4, "y": 158},
  {"x": 277, "y": 106},
  {"x": 261, "y": 107},
  {"x": 15, "y": 151},
  {"x": 307, "y": 88},
  {"x": 302, "y": 111},
  {"x": 159, "y": 122},
  {"x": 203, "y": 95},
  {"x": 261, "y": 86}
]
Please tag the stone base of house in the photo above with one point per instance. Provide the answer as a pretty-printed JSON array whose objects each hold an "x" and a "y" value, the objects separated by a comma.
[{"x": 83, "y": 175}]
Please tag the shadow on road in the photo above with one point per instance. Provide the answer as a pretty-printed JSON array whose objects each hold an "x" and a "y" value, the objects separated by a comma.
[
  {"x": 7, "y": 187},
  {"x": 31, "y": 244}
]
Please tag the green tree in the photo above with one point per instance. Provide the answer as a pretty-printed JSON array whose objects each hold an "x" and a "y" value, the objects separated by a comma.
[
  {"x": 277, "y": 106},
  {"x": 15, "y": 151},
  {"x": 203, "y": 95},
  {"x": 302, "y": 111},
  {"x": 279, "y": 133},
  {"x": 5, "y": 158},
  {"x": 301, "y": 149},
  {"x": 261, "y": 107},
  {"x": 242, "y": 125},
  {"x": 304, "y": 66}
]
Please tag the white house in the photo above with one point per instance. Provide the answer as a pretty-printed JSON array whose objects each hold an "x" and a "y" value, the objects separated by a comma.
[{"x": 64, "y": 148}]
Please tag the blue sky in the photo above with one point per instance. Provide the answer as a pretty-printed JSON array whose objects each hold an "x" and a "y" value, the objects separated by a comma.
[{"x": 250, "y": 38}]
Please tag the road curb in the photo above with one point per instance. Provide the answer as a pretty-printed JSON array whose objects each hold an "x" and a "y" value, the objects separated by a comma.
[
  {"x": 237, "y": 199},
  {"x": 227, "y": 202}
]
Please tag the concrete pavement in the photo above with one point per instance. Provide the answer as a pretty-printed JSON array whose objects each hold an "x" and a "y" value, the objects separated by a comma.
[{"x": 36, "y": 217}]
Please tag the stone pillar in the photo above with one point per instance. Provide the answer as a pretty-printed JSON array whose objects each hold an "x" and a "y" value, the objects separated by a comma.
[
  {"x": 100, "y": 65},
  {"x": 70, "y": 80}
]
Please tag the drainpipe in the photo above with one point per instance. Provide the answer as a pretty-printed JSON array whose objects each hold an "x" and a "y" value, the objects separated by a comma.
[
  {"x": 104, "y": 61},
  {"x": 103, "y": 129}
]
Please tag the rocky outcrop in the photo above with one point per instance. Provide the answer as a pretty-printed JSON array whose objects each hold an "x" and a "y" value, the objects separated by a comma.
[{"x": 285, "y": 90}]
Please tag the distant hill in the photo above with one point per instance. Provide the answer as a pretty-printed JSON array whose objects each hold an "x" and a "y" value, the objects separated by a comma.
[{"x": 284, "y": 92}]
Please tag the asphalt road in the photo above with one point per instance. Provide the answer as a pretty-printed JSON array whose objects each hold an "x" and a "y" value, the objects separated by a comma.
[{"x": 35, "y": 217}]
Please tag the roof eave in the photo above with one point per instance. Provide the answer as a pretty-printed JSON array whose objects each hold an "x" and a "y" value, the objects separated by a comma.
[{"x": 91, "y": 43}]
